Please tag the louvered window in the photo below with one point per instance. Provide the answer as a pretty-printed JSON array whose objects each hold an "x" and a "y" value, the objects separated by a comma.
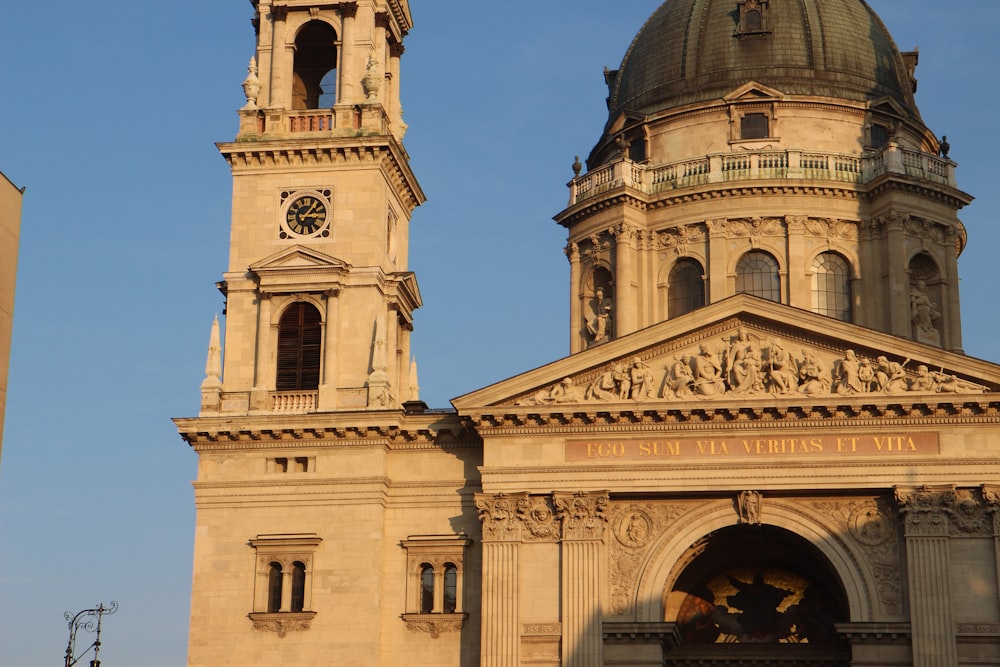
[{"x": 299, "y": 347}]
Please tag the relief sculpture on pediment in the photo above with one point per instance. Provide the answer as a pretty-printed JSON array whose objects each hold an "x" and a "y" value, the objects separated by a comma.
[{"x": 746, "y": 364}]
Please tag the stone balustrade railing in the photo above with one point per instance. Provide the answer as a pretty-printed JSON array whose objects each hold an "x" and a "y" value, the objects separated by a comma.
[
  {"x": 337, "y": 121},
  {"x": 789, "y": 164},
  {"x": 293, "y": 402}
]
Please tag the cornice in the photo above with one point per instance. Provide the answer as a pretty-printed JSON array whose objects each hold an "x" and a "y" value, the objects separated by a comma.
[
  {"x": 646, "y": 418},
  {"x": 278, "y": 154}
]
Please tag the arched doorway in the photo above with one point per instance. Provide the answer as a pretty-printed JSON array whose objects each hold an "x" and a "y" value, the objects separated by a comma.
[{"x": 755, "y": 592}]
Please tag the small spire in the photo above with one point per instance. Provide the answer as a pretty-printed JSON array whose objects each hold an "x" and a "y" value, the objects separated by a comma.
[
  {"x": 251, "y": 85},
  {"x": 213, "y": 365},
  {"x": 414, "y": 384}
]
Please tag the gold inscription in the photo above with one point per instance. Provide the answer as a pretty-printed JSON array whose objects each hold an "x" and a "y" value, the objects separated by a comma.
[{"x": 791, "y": 447}]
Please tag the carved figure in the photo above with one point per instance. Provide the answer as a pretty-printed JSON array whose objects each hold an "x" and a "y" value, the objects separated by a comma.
[
  {"x": 848, "y": 380},
  {"x": 780, "y": 368},
  {"x": 812, "y": 380},
  {"x": 866, "y": 375},
  {"x": 623, "y": 380},
  {"x": 748, "y": 506},
  {"x": 950, "y": 384},
  {"x": 681, "y": 377},
  {"x": 745, "y": 377},
  {"x": 602, "y": 389},
  {"x": 708, "y": 373},
  {"x": 563, "y": 392},
  {"x": 890, "y": 376},
  {"x": 923, "y": 312},
  {"x": 925, "y": 380},
  {"x": 599, "y": 322},
  {"x": 641, "y": 379}
]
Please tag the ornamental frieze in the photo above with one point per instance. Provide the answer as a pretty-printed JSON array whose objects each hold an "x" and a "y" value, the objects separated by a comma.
[{"x": 746, "y": 364}]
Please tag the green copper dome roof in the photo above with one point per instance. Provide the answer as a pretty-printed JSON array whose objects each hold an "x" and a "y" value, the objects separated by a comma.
[{"x": 692, "y": 51}]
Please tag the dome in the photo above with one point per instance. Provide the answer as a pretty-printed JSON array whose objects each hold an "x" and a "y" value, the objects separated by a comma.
[{"x": 694, "y": 51}]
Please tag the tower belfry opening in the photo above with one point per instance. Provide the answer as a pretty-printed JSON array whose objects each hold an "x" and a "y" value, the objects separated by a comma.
[{"x": 315, "y": 71}]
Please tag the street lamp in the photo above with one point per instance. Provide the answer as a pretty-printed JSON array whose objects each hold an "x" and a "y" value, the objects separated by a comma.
[{"x": 85, "y": 619}]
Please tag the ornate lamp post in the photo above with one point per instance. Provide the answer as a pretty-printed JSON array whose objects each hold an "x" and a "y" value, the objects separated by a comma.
[{"x": 86, "y": 619}]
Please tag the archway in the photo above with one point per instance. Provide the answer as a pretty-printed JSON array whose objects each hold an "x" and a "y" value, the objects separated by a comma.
[{"x": 756, "y": 590}]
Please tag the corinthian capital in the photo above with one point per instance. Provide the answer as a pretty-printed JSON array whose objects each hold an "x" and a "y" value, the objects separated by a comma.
[
  {"x": 583, "y": 514},
  {"x": 499, "y": 514},
  {"x": 926, "y": 509}
]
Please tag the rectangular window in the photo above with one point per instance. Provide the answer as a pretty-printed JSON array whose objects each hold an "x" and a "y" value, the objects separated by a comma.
[{"x": 754, "y": 126}]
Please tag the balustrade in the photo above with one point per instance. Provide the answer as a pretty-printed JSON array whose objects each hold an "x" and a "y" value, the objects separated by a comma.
[
  {"x": 751, "y": 165},
  {"x": 293, "y": 402}
]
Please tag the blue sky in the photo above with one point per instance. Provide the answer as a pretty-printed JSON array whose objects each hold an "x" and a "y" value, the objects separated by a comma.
[{"x": 108, "y": 115}]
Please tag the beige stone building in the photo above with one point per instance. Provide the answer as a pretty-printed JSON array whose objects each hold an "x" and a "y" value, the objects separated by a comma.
[
  {"x": 766, "y": 444},
  {"x": 10, "y": 234}
]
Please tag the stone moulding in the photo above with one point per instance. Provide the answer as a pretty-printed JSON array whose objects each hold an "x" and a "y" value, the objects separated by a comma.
[
  {"x": 282, "y": 622},
  {"x": 434, "y": 624}
]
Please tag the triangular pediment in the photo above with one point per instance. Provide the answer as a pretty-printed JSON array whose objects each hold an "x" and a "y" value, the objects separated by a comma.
[
  {"x": 298, "y": 257},
  {"x": 742, "y": 350},
  {"x": 752, "y": 91},
  {"x": 888, "y": 106}
]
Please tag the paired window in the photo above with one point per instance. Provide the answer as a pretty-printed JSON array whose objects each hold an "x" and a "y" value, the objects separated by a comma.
[
  {"x": 434, "y": 582},
  {"x": 757, "y": 274},
  {"x": 299, "y": 348},
  {"x": 685, "y": 288},
  {"x": 832, "y": 286},
  {"x": 284, "y": 573}
]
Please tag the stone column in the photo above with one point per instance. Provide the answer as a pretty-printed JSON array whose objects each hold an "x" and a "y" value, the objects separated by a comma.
[
  {"x": 264, "y": 371},
  {"x": 717, "y": 268},
  {"x": 899, "y": 281},
  {"x": 799, "y": 287},
  {"x": 991, "y": 494},
  {"x": 501, "y": 637},
  {"x": 927, "y": 558},
  {"x": 349, "y": 81},
  {"x": 624, "y": 308},
  {"x": 327, "y": 399},
  {"x": 583, "y": 521},
  {"x": 277, "y": 90},
  {"x": 951, "y": 334},
  {"x": 576, "y": 342}
]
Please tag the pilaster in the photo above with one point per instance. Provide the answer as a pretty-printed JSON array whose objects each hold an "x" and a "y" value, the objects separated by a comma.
[
  {"x": 576, "y": 342},
  {"x": 583, "y": 517},
  {"x": 898, "y": 283},
  {"x": 500, "y": 638},
  {"x": 927, "y": 557},
  {"x": 717, "y": 261},
  {"x": 625, "y": 279}
]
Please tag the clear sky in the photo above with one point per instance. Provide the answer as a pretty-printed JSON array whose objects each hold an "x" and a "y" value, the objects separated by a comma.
[{"x": 108, "y": 115}]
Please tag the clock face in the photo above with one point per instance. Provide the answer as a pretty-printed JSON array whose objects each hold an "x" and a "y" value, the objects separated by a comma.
[{"x": 306, "y": 215}]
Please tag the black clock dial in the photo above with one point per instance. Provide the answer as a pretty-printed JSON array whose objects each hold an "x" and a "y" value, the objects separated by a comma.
[{"x": 306, "y": 215}]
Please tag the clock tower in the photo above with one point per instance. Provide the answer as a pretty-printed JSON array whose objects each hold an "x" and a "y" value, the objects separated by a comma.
[{"x": 319, "y": 301}]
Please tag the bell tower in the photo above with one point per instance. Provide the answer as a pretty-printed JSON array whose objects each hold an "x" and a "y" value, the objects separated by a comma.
[{"x": 319, "y": 301}]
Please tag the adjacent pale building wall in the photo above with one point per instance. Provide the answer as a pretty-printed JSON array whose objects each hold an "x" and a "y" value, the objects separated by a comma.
[{"x": 10, "y": 227}]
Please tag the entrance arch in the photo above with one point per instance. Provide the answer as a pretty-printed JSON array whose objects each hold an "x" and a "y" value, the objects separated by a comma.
[{"x": 668, "y": 558}]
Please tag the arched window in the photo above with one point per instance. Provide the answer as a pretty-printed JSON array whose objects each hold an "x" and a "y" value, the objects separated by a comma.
[
  {"x": 298, "y": 586},
  {"x": 832, "y": 286},
  {"x": 315, "y": 69},
  {"x": 426, "y": 589},
  {"x": 685, "y": 288},
  {"x": 753, "y": 21},
  {"x": 274, "y": 588},
  {"x": 450, "y": 588},
  {"x": 757, "y": 274},
  {"x": 299, "y": 346}
]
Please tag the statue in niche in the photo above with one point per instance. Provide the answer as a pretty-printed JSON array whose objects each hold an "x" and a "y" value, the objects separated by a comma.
[
  {"x": 812, "y": 380},
  {"x": 598, "y": 323},
  {"x": 848, "y": 374},
  {"x": 780, "y": 368},
  {"x": 707, "y": 373},
  {"x": 890, "y": 376},
  {"x": 923, "y": 312},
  {"x": 680, "y": 378},
  {"x": 641, "y": 380}
]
